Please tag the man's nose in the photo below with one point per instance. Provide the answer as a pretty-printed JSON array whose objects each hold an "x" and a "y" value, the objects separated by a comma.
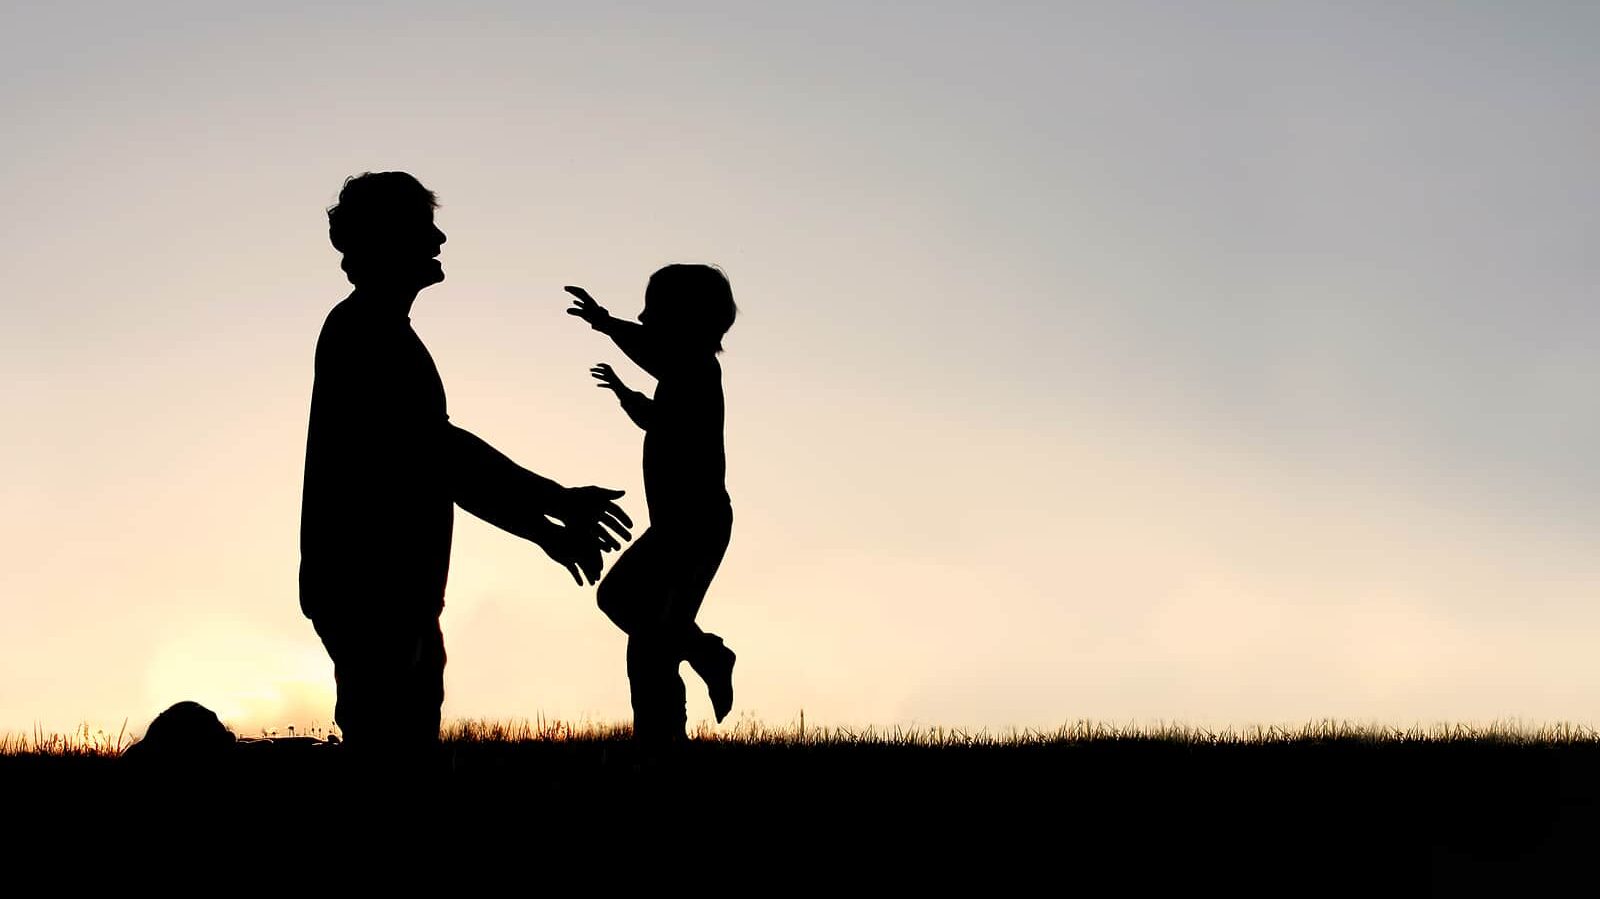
[{"x": 439, "y": 235}]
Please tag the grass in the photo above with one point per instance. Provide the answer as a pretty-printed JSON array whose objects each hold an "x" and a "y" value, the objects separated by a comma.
[
  {"x": 81, "y": 743},
  {"x": 1452, "y": 807},
  {"x": 464, "y": 734},
  {"x": 1078, "y": 733}
]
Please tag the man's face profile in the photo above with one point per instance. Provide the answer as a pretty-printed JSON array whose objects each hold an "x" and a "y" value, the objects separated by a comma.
[{"x": 411, "y": 244}]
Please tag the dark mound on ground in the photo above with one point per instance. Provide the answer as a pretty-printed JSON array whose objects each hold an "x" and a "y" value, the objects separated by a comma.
[{"x": 187, "y": 733}]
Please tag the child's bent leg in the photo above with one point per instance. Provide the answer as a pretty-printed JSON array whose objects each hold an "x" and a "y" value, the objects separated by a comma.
[
  {"x": 705, "y": 652},
  {"x": 630, "y": 594},
  {"x": 693, "y": 565},
  {"x": 713, "y": 661}
]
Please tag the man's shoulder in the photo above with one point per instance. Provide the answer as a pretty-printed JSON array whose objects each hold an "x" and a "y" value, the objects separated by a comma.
[
  {"x": 349, "y": 322},
  {"x": 342, "y": 317},
  {"x": 344, "y": 338}
]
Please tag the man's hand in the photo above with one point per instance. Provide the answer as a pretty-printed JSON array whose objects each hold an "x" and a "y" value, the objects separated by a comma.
[
  {"x": 584, "y": 307},
  {"x": 593, "y": 512},
  {"x": 575, "y": 552},
  {"x": 607, "y": 376}
]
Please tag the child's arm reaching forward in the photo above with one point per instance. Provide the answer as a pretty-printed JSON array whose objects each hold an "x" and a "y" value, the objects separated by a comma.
[
  {"x": 638, "y": 406},
  {"x": 630, "y": 337}
]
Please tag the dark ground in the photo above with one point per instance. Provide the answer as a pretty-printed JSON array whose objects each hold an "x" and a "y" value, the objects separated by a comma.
[{"x": 1457, "y": 817}]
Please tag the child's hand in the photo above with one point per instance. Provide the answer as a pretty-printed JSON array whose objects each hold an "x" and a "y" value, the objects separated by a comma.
[
  {"x": 584, "y": 307},
  {"x": 607, "y": 378}
]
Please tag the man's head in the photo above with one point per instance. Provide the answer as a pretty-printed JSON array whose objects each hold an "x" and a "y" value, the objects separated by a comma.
[
  {"x": 693, "y": 302},
  {"x": 383, "y": 224}
]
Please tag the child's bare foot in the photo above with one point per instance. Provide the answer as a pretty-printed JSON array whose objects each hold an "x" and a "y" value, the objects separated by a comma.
[{"x": 714, "y": 663}]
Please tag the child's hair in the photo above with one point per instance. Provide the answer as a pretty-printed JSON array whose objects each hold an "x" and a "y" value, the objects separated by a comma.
[{"x": 696, "y": 298}]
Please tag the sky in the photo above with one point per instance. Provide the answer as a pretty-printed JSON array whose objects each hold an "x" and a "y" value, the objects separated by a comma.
[{"x": 1220, "y": 363}]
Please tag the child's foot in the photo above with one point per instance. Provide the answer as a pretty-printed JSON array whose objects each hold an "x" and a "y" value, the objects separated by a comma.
[{"x": 714, "y": 664}]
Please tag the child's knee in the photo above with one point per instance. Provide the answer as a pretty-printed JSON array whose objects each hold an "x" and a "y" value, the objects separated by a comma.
[
  {"x": 616, "y": 603},
  {"x": 605, "y": 595}
]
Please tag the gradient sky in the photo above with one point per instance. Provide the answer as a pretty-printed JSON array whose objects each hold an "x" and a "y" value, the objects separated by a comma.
[{"x": 1217, "y": 362}]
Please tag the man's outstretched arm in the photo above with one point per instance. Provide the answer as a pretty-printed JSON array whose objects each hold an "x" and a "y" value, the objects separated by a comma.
[{"x": 492, "y": 487}]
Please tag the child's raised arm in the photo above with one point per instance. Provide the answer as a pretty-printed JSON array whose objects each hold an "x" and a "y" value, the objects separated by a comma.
[
  {"x": 639, "y": 407},
  {"x": 630, "y": 337}
]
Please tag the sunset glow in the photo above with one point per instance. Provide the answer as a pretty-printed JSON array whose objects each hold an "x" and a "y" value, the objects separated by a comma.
[{"x": 1118, "y": 362}]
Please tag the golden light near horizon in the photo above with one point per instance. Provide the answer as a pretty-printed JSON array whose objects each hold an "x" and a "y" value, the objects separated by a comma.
[
  {"x": 1103, "y": 361},
  {"x": 252, "y": 681}
]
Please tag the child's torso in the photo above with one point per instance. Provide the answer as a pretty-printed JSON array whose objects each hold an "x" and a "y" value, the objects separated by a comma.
[{"x": 685, "y": 463}]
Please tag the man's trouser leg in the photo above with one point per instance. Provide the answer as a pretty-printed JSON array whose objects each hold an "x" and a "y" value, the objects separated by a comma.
[{"x": 390, "y": 679}]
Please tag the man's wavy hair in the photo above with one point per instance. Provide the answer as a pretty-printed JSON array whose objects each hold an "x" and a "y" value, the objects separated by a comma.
[
  {"x": 363, "y": 219},
  {"x": 697, "y": 297}
]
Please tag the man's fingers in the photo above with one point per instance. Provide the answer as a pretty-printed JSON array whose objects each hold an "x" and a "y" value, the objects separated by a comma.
[
  {"x": 620, "y": 529},
  {"x": 593, "y": 509},
  {"x": 584, "y": 566},
  {"x": 591, "y": 567},
  {"x": 612, "y": 510},
  {"x": 604, "y": 538},
  {"x": 578, "y": 292},
  {"x": 602, "y": 528},
  {"x": 607, "y": 506}
]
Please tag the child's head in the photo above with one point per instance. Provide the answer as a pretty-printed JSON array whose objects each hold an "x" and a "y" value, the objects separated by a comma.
[{"x": 694, "y": 302}]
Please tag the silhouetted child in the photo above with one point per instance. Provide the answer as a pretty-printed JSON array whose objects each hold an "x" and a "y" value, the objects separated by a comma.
[{"x": 654, "y": 590}]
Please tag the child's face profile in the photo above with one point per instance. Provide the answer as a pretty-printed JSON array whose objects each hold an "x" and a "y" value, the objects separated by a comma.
[{"x": 658, "y": 313}]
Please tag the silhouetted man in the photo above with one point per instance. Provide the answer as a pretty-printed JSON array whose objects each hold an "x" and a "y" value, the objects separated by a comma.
[{"x": 385, "y": 469}]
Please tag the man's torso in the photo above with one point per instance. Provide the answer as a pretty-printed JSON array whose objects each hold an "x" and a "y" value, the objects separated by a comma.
[{"x": 377, "y": 513}]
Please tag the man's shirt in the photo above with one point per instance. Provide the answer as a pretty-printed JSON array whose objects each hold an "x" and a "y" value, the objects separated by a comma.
[{"x": 377, "y": 510}]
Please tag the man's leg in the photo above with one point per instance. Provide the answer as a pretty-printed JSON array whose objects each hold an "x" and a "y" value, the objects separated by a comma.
[
  {"x": 424, "y": 695},
  {"x": 390, "y": 679}
]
